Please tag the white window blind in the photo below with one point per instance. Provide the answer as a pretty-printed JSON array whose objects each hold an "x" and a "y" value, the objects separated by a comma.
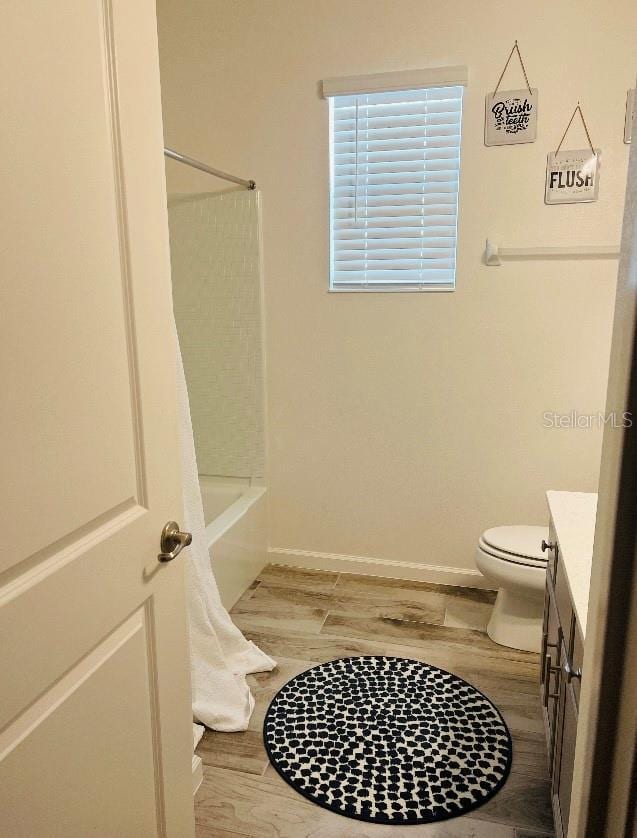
[{"x": 395, "y": 164}]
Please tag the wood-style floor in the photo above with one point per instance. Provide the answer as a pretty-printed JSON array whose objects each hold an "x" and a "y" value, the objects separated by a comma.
[{"x": 305, "y": 617}]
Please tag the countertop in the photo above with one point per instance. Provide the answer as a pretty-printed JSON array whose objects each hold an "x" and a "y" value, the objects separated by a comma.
[{"x": 573, "y": 515}]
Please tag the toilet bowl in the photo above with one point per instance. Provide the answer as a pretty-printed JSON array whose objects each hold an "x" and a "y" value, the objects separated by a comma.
[{"x": 512, "y": 559}]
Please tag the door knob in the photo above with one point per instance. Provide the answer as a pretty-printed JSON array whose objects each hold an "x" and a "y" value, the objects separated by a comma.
[{"x": 172, "y": 542}]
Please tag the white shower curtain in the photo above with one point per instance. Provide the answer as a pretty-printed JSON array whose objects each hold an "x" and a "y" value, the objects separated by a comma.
[{"x": 220, "y": 656}]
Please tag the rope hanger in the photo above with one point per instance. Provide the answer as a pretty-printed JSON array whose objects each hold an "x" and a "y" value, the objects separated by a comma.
[
  {"x": 588, "y": 136},
  {"x": 514, "y": 48}
]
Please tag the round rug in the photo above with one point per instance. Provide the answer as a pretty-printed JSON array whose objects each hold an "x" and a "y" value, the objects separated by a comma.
[{"x": 387, "y": 740}]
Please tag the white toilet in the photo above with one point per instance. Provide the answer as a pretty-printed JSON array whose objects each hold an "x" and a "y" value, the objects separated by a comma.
[{"x": 512, "y": 558}]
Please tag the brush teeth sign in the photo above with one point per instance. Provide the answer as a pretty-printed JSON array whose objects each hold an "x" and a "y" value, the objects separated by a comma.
[
  {"x": 572, "y": 177},
  {"x": 511, "y": 117}
]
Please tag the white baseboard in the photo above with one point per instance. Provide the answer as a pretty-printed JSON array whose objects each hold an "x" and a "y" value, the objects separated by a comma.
[
  {"x": 413, "y": 571},
  {"x": 197, "y": 773}
]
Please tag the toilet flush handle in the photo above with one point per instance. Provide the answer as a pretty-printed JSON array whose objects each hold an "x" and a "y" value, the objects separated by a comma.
[{"x": 547, "y": 545}]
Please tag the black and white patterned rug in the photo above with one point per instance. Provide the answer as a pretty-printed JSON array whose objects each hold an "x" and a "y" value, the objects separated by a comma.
[{"x": 387, "y": 740}]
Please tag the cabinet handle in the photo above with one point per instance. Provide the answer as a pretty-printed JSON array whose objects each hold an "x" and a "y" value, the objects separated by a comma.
[
  {"x": 570, "y": 672},
  {"x": 547, "y": 545}
]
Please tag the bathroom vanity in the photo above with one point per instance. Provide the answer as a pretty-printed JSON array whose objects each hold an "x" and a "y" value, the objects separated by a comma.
[{"x": 569, "y": 551}]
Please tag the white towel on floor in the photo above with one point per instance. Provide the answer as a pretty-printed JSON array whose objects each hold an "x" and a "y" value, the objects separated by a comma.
[{"x": 220, "y": 656}]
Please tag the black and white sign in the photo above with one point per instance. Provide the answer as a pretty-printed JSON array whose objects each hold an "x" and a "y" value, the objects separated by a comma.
[
  {"x": 511, "y": 117},
  {"x": 631, "y": 108},
  {"x": 572, "y": 177}
]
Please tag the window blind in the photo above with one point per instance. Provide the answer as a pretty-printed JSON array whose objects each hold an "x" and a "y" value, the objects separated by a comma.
[{"x": 395, "y": 164}]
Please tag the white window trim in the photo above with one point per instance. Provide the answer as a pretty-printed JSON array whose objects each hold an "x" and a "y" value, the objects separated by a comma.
[{"x": 399, "y": 80}]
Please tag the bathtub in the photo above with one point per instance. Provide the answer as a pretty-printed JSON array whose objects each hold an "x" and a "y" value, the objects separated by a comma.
[{"x": 235, "y": 514}]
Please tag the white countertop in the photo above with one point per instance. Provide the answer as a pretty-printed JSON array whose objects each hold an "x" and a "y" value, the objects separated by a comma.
[{"x": 573, "y": 515}]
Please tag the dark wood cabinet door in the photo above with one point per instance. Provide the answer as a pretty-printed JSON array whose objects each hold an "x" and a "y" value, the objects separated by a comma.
[
  {"x": 564, "y": 754},
  {"x": 552, "y": 553},
  {"x": 577, "y": 662},
  {"x": 550, "y": 670}
]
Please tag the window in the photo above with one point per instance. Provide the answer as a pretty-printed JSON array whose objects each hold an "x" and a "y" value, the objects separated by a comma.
[{"x": 395, "y": 164}]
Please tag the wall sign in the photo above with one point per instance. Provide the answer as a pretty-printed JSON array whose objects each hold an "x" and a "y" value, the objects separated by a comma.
[
  {"x": 511, "y": 115},
  {"x": 631, "y": 109},
  {"x": 572, "y": 177}
]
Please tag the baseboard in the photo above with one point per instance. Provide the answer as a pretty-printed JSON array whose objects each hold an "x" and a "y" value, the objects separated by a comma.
[
  {"x": 390, "y": 568},
  {"x": 197, "y": 773}
]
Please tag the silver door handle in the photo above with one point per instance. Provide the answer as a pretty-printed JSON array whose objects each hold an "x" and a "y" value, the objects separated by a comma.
[{"x": 172, "y": 542}]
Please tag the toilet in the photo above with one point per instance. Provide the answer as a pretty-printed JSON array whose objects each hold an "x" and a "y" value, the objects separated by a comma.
[{"x": 512, "y": 559}]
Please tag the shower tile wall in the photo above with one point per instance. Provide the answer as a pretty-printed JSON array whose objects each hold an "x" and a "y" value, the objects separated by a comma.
[{"x": 214, "y": 242}]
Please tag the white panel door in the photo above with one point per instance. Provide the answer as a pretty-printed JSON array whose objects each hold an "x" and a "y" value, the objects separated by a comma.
[{"x": 95, "y": 722}]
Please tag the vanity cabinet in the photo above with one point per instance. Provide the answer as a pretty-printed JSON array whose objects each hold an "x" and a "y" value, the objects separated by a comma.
[{"x": 561, "y": 661}]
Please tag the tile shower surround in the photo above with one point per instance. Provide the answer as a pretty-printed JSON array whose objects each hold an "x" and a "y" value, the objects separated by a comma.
[{"x": 214, "y": 242}]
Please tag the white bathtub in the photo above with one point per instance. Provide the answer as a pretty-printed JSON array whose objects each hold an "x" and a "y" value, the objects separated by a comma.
[{"x": 236, "y": 531}]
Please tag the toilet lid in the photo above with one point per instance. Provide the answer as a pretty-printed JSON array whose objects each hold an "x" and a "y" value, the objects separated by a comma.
[
  {"x": 509, "y": 557},
  {"x": 522, "y": 541}
]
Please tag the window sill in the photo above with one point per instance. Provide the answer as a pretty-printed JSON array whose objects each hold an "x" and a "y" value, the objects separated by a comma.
[{"x": 429, "y": 290}]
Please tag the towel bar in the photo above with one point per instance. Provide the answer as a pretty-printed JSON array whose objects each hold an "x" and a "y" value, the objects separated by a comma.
[{"x": 494, "y": 255}]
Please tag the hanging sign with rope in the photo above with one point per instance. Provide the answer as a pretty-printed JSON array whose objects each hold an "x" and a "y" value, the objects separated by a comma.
[
  {"x": 572, "y": 177},
  {"x": 511, "y": 115}
]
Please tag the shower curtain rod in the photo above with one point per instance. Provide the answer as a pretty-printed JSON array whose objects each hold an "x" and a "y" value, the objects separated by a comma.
[{"x": 189, "y": 161}]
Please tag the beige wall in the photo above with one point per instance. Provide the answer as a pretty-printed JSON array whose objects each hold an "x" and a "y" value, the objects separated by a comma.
[{"x": 400, "y": 426}]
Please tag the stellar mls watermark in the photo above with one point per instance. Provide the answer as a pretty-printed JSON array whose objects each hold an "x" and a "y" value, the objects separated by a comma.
[{"x": 574, "y": 419}]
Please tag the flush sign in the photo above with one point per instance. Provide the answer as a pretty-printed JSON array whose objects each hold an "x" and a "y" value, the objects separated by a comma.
[{"x": 572, "y": 177}]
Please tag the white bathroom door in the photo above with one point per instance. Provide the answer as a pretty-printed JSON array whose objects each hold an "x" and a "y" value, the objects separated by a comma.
[{"x": 95, "y": 723}]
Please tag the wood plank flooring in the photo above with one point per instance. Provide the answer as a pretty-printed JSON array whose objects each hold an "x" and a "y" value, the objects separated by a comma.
[{"x": 305, "y": 617}]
